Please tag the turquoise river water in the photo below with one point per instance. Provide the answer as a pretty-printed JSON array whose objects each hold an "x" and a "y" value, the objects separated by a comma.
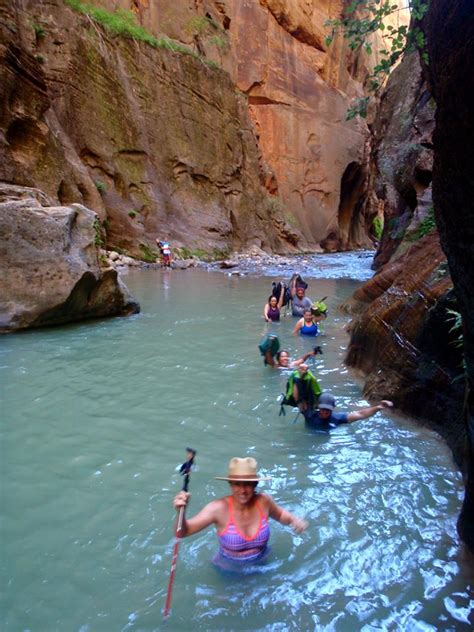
[{"x": 95, "y": 420}]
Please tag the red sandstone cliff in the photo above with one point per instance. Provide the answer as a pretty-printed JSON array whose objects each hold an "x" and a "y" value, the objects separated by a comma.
[{"x": 157, "y": 142}]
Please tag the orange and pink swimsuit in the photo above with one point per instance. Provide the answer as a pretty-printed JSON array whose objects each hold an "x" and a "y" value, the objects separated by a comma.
[{"x": 234, "y": 545}]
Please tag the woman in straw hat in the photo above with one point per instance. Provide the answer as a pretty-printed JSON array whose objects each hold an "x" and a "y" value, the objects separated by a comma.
[{"x": 241, "y": 519}]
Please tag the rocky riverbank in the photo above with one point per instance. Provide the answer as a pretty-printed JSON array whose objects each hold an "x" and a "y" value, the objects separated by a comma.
[{"x": 256, "y": 262}]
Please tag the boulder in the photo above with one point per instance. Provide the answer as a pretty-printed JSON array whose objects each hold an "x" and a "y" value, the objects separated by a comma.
[
  {"x": 228, "y": 263},
  {"x": 50, "y": 271}
]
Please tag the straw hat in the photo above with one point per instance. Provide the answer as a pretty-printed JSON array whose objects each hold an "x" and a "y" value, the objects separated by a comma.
[{"x": 243, "y": 470}]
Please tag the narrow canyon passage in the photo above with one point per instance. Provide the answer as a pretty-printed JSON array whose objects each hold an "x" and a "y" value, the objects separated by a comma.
[{"x": 99, "y": 415}]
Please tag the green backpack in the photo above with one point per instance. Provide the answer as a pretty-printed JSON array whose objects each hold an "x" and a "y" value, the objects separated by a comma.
[
  {"x": 269, "y": 344},
  {"x": 309, "y": 391}
]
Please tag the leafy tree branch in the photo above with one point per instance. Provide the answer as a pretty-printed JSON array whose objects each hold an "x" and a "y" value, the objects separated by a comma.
[{"x": 363, "y": 18}]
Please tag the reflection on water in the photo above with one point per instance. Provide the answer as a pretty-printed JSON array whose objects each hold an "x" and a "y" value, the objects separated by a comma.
[{"x": 97, "y": 417}]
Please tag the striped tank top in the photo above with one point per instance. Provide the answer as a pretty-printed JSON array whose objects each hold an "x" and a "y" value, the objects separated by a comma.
[{"x": 235, "y": 545}]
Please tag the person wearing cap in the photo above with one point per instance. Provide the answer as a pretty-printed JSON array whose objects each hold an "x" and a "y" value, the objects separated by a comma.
[
  {"x": 325, "y": 417},
  {"x": 240, "y": 519}
]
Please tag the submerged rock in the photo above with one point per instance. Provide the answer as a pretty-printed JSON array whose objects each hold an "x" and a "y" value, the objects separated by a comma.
[{"x": 50, "y": 267}]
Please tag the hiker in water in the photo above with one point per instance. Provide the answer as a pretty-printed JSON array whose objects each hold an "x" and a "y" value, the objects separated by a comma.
[
  {"x": 308, "y": 324},
  {"x": 165, "y": 252},
  {"x": 300, "y": 302},
  {"x": 272, "y": 356},
  {"x": 271, "y": 311},
  {"x": 282, "y": 359},
  {"x": 303, "y": 389},
  {"x": 325, "y": 418},
  {"x": 241, "y": 519}
]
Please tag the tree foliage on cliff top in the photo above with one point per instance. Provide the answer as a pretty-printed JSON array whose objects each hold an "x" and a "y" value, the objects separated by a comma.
[{"x": 361, "y": 19}]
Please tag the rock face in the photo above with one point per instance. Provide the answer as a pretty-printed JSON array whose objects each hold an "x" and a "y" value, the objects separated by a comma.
[
  {"x": 450, "y": 33},
  {"x": 156, "y": 142},
  {"x": 298, "y": 91},
  {"x": 50, "y": 272},
  {"x": 402, "y": 156},
  {"x": 405, "y": 339},
  {"x": 160, "y": 144}
]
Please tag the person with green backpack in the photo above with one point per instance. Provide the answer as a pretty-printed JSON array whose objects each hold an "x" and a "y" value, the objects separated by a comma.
[{"x": 302, "y": 390}]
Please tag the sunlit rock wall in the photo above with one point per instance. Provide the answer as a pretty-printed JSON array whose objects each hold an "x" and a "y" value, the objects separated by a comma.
[
  {"x": 156, "y": 142},
  {"x": 298, "y": 93},
  {"x": 402, "y": 155}
]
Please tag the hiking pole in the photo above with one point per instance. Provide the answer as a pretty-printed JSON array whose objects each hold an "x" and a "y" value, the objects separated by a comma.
[{"x": 185, "y": 470}]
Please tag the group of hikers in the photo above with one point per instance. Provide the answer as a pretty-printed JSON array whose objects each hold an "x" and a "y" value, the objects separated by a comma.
[
  {"x": 303, "y": 390},
  {"x": 241, "y": 518}
]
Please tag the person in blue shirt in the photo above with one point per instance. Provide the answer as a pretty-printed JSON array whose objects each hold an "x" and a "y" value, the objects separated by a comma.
[{"x": 325, "y": 418}]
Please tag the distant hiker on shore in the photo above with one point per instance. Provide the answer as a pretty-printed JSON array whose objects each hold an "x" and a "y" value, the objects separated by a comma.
[{"x": 165, "y": 252}]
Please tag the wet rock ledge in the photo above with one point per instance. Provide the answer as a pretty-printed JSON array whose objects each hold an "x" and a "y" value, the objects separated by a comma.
[{"x": 49, "y": 264}]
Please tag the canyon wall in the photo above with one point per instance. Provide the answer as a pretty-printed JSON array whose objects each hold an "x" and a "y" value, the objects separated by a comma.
[
  {"x": 160, "y": 142},
  {"x": 412, "y": 336},
  {"x": 450, "y": 32}
]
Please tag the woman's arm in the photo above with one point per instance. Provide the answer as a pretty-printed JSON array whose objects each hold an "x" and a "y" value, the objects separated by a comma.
[
  {"x": 265, "y": 312},
  {"x": 365, "y": 413},
  {"x": 282, "y": 294},
  {"x": 298, "y": 326},
  {"x": 207, "y": 516},
  {"x": 285, "y": 517},
  {"x": 303, "y": 359}
]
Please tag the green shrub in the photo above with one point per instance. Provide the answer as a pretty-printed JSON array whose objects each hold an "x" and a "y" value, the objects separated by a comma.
[
  {"x": 427, "y": 225},
  {"x": 98, "y": 239},
  {"x": 123, "y": 23},
  {"x": 220, "y": 253},
  {"x": 377, "y": 227},
  {"x": 132, "y": 214},
  {"x": 39, "y": 30},
  {"x": 148, "y": 254},
  {"x": 219, "y": 42},
  {"x": 100, "y": 186},
  {"x": 291, "y": 219}
]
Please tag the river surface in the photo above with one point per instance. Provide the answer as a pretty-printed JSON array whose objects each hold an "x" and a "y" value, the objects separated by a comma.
[{"x": 96, "y": 419}]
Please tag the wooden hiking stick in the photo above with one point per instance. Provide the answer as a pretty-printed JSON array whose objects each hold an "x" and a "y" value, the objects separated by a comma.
[{"x": 185, "y": 470}]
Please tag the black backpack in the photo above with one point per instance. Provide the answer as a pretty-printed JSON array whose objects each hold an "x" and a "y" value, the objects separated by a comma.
[{"x": 276, "y": 289}]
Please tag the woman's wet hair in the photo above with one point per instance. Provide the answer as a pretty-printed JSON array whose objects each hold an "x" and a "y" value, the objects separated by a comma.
[{"x": 278, "y": 355}]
